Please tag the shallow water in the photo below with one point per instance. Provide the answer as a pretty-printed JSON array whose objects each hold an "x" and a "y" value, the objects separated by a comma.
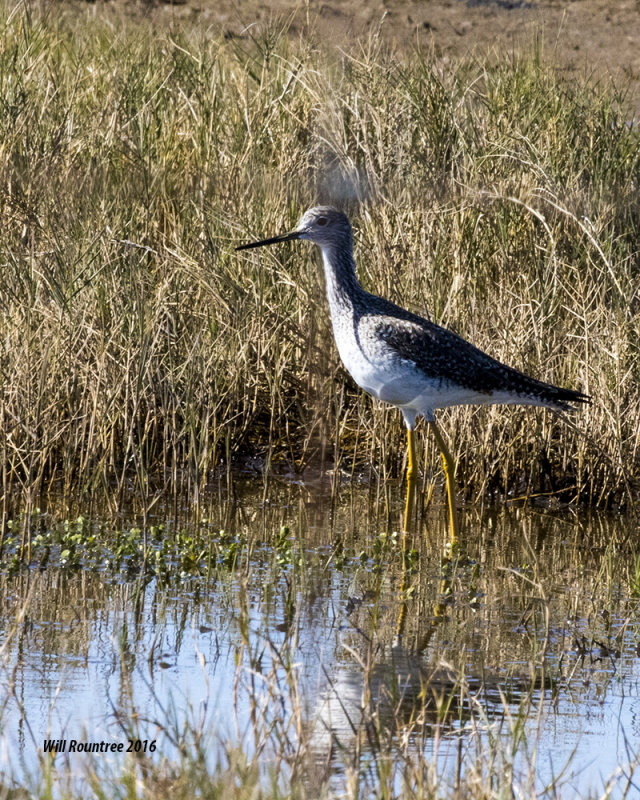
[{"x": 279, "y": 636}]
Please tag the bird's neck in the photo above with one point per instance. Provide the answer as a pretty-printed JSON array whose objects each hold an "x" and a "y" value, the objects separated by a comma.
[{"x": 343, "y": 289}]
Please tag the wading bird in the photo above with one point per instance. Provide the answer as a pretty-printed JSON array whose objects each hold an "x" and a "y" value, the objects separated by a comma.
[{"x": 405, "y": 360}]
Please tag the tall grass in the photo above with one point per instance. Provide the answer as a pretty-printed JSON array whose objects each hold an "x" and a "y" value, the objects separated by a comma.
[{"x": 138, "y": 351}]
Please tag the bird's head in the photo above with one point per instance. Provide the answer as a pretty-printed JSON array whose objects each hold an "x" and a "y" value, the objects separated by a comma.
[{"x": 322, "y": 225}]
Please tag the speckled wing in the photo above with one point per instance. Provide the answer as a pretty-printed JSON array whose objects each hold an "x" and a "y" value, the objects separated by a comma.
[{"x": 450, "y": 361}]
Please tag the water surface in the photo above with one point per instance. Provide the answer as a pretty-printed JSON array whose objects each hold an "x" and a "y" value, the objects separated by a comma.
[{"x": 297, "y": 627}]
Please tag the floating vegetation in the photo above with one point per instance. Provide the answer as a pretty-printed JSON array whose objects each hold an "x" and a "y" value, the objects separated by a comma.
[{"x": 163, "y": 551}]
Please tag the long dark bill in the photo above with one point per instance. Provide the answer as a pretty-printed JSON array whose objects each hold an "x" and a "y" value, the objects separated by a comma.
[{"x": 285, "y": 237}]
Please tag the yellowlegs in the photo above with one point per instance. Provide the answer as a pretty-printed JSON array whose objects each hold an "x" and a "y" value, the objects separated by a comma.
[{"x": 405, "y": 360}]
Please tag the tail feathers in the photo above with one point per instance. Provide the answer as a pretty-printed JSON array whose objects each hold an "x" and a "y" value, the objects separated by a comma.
[{"x": 558, "y": 398}]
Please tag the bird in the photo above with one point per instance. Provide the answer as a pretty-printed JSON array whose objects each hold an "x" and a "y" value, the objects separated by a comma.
[{"x": 402, "y": 359}]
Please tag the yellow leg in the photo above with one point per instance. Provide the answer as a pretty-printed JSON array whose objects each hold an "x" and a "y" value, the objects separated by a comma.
[
  {"x": 408, "y": 509},
  {"x": 411, "y": 477},
  {"x": 449, "y": 471}
]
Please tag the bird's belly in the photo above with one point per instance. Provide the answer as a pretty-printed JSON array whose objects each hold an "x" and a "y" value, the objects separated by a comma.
[
  {"x": 380, "y": 372},
  {"x": 387, "y": 381}
]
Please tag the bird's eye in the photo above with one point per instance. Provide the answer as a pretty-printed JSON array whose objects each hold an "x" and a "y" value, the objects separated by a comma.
[{"x": 321, "y": 221}]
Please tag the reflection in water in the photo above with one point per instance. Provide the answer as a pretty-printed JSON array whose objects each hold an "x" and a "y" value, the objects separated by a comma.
[
  {"x": 400, "y": 693},
  {"x": 293, "y": 643},
  {"x": 396, "y": 691}
]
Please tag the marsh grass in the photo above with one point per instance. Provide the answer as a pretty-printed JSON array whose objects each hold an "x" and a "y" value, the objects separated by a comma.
[{"x": 139, "y": 352}]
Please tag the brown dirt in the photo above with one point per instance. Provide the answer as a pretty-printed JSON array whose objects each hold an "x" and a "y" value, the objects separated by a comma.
[{"x": 595, "y": 37}]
